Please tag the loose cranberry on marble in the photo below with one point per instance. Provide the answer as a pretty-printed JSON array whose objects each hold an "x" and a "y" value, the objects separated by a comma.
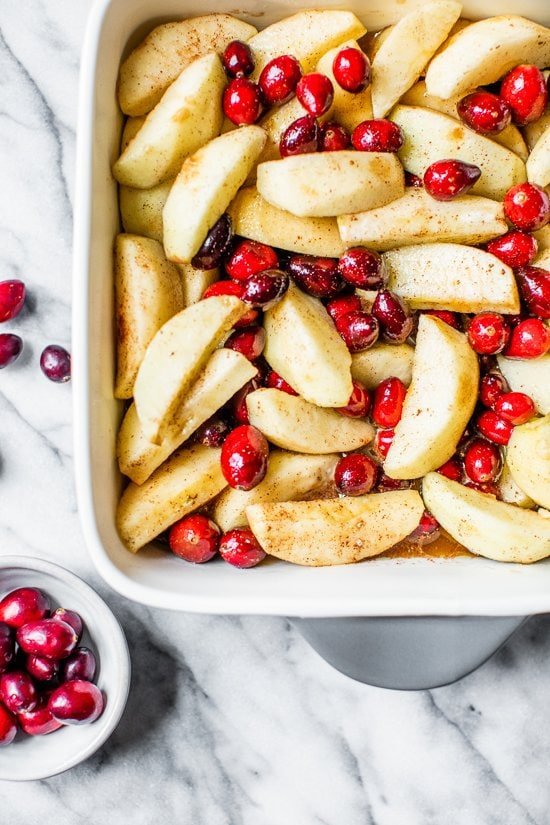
[
  {"x": 534, "y": 285},
  {"x": 39, "y": 721},
  {"x": 488, "y": 333},
  {"x": 249, "y": 341},
  {"x": 10, "y": 348},
  {"x": 77, "y": 702},
  {"x": 452, "y": 469},
  {"x": 527, "y": 206},
  {"x": 213, "y": 432},
  {"x": 484, "y": 112},
  {"x": 241, "y": 549},
  {"x": 359, "y": 330},
  {"x": 359, "y": 402},
  {"x": 235, "y": 288},
  {"x": 363, "y": 268},
  {"x": 343, "y": 305},
  {"x": 447, "y": 179},
  {"x": 300, "y": 137},
  {"x": 8, "y": 727},
  {"x": 264, "y": 289},
  {"x": 26, "y": 604},
  {"x": 279, "y": 78},
  {"x": 55, "y": 363},
  {"x": 387, "y": 407},
  {"x": 195, "y": 539},
  {"x": 515, "y": 407},
  {"x": 493, "y": 427},
  {"x": 445, "y": 315},
  {"x": 351, "y": 69},
  {"x": 377, "y": 136},
  {"x": 515, "y": 248},
  {"x": 237, "y": 59},
  {"x": 244, "y": 457},
  {"x": 71, "y": 617},
  {"x": 7, "y": 646},
  {"x": 413, "y": 180},
  {"x": 275, "y": 382},
  {"x": 355, "y": 474},
  {"x": 393, "y": 315},
  {"x": 491, "y": 387},
  {"x": 382, "y": 442},
  {"x": 12, "y": 298},
  {"x": 41, "y": 669},
  {"x": 529, "y": 339},
  {"x": 428, "y": 530},
  {"x": 316, "y": 93},
  {"x": 238, "y": 402},
  {"x": 250, "y": 257},
  {"x": 482, "y": 461},
  {"x": 524, "y": 90},
  {"x": 333, "y": 137},
  {"x": 316, "y": 276},
  {"x": 215, "y": 245},
  {"x": 51, "y": 638},
  {"x": 242, "y": 101},
  {"x": 17, "y": 691}
]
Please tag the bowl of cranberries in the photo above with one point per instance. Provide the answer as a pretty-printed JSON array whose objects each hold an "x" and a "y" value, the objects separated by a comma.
[{"x": 64, "y": 669}]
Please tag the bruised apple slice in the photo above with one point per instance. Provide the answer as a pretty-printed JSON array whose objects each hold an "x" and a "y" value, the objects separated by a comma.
[
  {"x": 184, "y": 483},
  {"x": 335, "y": 531},
  {"x": 292, "y": 423},
  {"x": 382, "y": 361},
  {"x": 439, "y": 401},
  {"x": 416, "y": 217},
  {"x": 175, "y": 357},
  {"x": 224, "y": 375},
  {"x": 195, "y": 281},
  {"x": 141, "y": 209},
  {"x": 538, "y": 163},
  {"x": 510, "y": 492},
  {"x": 531, "y": 377},
  {"x": 289, "y": 477},
  {"x": 348, "y": 109},
  {"x": 206, "y": 185},
  {"x": 452, "y": 276},
  {"x": 484, "y": 525},
  {"x": 318, "y": 364},
  {"x": 528, "y": 458}
]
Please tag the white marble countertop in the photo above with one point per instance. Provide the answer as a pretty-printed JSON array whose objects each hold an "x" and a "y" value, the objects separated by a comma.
[{"x": 230, "y": 721}]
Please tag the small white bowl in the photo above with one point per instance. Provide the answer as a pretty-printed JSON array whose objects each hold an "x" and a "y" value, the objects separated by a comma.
[{"x": 38, "y": 757}]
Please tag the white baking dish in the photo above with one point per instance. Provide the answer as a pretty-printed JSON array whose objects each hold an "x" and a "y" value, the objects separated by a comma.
[{"x": 383, "y": 587}]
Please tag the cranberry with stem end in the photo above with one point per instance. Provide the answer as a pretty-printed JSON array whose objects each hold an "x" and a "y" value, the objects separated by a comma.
[
  {"x": 238, "y": 402},
  {"x": 351, "y": 69},
  {"x": 8, "y": 727},
  {"x": 276, "y": 382},
  {"x": 51, "y": 638},
  {"x": 41, "y": 669},
  {"x": 300, "y": 137},
  {"x": 451, "y": 469},
  {"x": 359, "y": 330},
  {"x": 377, "y": 136},
  {"x": 515, "y": 407},
  {"x": 38, "y": 722},
  {"x": 382, "y": 442},
  {"x": 250, "y": 257},
  {"x": 232, "y": 288},
  {"x": 534, "y": 285},
  {"x": 241, "y": 549},
  {"x": 77, "y": 702},
  {"x": 71, "y": 617},
  {"x": 493, "y": 427},
  {"x": 17, "y": 691},
  {"x": 343, "y": 305},
  {"x": 279, "y": 78},
  {"x": 333, "y": 137},
  {"x": 242, "y": 101},
  {"x": 359, "y": 402},
  {"x": 387, "y": 407},
  {"x": 12, "y": 298},
  {"x": 55, "y": 363},
  {"x": 524, "y": 91},
  {"x": 445, "y": 315},
  {"x": 393, "y": 315},
  {"x": 244, "y": 457},
  {"x": 237, "y": 59},
  {"x": 316, "y": 276},
  {"x": 482, "y": 461},
  {"x": 484, "y": 112},
  {"x": 264, "y": 289},
  {"x": 249, "y": 341},
  {"x": 10, "y": 348},
  {"x": 527, "y": 206},
  {"x": 428, "y": 530},
  {"x": 449, "y": 178},
  {"x": 81, "y": 664},
  {"x": 488, "y": 333},
  {"x": 491, "y": 387},
  {"x": 195, "y": 539},
  {"x": 529, "y": 339},
  {"x": 7, "y": 646},
  {"x": 316, "y": 93},
  {"x": 215, "y": 245},
  {"x": 355, "y": 474},
  {"x": 362, "y": 268},
  {"x": 26, "y": 604},
  {"x": 515, "y": 248}
]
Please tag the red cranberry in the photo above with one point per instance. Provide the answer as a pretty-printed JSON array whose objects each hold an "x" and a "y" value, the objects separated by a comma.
[
  {"x": 351, "y": 69},
  {"x": 10, "y": 348},
  {"x": 488, "y": 333},
  {"x": 493, "y": 427},
  {"x": 393, "y": 315},
  {"x": 300, "y": 137},
  {"x": 213, "y": 432},
  {"x": 250, "y": 257},
  {"x": 232, "y": 288},
  {"x": 38, "y": 722},
  {"x": 527, "y": 206},
  {"x": 51, "y": 638},
  {"x": 515, "y": 407},
  {"x": 534, "y": 284},
  {"x": 482, "y": 461},
  {"x": 249, "y": 342},
  {"x": 529, "y": 339},
  {"x": 334, "y": 138},
  {"x": 275, "y": 382},
  {"x": 355, "y": 474},
  {"x": 359, "y": 330},
  {"x": 72, "y": 618},
  {"x": 17, "y": 691},
  {"x": 8, "y": 727},
  {"x": 382, "y": 442},
  {"x": 359, "y": 402},
  {"x": 244, "y": 457},
  {"x": 81, "y": 664},
  {"x": 451, "y": 469},
  {"x": 413, "y": 180},
  {"x": 316, "y": 93},
  {"x": 489, "y": 488},
  {"x": 491, "y": 387},
  {"x": 343, "y": 305},
  {"x": 377, "y": 136},
  {"x": 43, "y": 670},
  {"x": 279, "y": 78},
  {"x": 55, "y": 363},
  {"x": 316, "y": 276},
  {"x": 237, "y": 59},
  {"x": 215, "y": 245},
  {"x": 385, "y": 484},
  {"x": 515, "y": 248},
  {"x": 241, "y": 549},
  {"x": 450, "y": 318},
  {"x": 238, "y": 402},
  {"x": 362, "y": 268},
  {"x": 428, "y": 530},
  {"x": 7, "y": 646},
  {"x": 194, "y": 538},
  {"x": 485, "y": 113},
  {"x": 26, "y": 604},
  {"x": 389, "y": 396},
  {"x": 242, "y": 101},
  {"x": 76, "y": 702},
  {"x": 446, "y": 179},
  {"x": 12, "y": 298},
  {"x": 524, "y": 90},
  {"x": 264, "y": 289}
]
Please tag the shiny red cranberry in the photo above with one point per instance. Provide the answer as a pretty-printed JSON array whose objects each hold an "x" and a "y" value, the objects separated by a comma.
[
  {"x": 359, "y": 402},
  {"x": 8, "y": 727},
  {"x": 244, "y": 457},
  {"x": 235, "y": 288},
  {"x": 249, "y": 342},
  {"x": 382, "y": 442},
  {"x": 359, "y": 330},
  {"x": 81, "y": 664},
  {"x": 362, "y": 268},
  {"x": 213, "y": 432},
  {"x": 389, "y": 396},
  {"x": 428, "y": 530},
  {"x": 482, "y": 461},
  {"x": 250, "y": 257},
  {"x": 447, "y": 179},
  {"x": 41, "y": 669},
  {"x": 275, "y": 382},
  {"x": 529, "y": 339},
  {"x": 493, "y": 427},
  {"x": 488, "y": 333},
  {"x": 241, "y": 548},
  {"x": 450, "y": 318},
  {"x": 10, "y": 348},
  {"x": 51, "y": 638},
  {"x": 484, "y": 112},
  {"x": 333, "y": 138},
  {"x": 55, "y": 363},
  {"x": 316, "y": 276},
  {"x": 377, "y": 136},
  {"x": 237, "y": 59},
  {"x": 242, "y": 101},
  {"x": 524, "y": 90},
  {"x": 17, "y": 691},
  {"x": 515, "y": 248},
  {"x": 385, "y": 484},
  {"x": 300, "y": 137},
  {"x": 7, "y": 646},
  {"x": 12, "y": 298},
  {"x": 39, "y": 721},
  {"x": 77, "y": 702},
  {"x": 215, "y": 245},
  {"x": 515, "y": 407},
  {"x": 265, "y": 289},
  {"x": 343, "y": 305},
  {"x": 355, "y": 474},
  {"x": 489, "y": 488},
  {"x": 26, "y": 604},
  {"x": 238, "y": 402},
  {"x": 413, "y": 180},
  {"x": 279, "y": 78},
  {"x": 72, "y": 618},
  {"x": 393, "y": 315},
  {"x": 491, "y": 387},
  {"x": 451, "y": 469},
  {"x": 527, "y": 206},
  {"x": 534, "y": 284},
  {"x": 351, "y": 69},
  {"x": 316, "y": 93}
]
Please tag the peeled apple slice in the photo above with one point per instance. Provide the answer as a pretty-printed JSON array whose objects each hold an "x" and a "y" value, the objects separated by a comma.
[
  {"x": 528, "y": 458},
  {"x": 531, "y": 377},
  {"x": 382, "y": 361},
  {"x": 510, "y": 492},
  {"x": 141, "y": 209},
  {"x": 538, "y": 163}
]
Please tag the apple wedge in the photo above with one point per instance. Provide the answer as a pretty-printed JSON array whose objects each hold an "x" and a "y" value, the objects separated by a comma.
[
  {"x": 336, "y": 531},
  {"x": 538, "y": 163},
  {"x": 543, "y": 259},
  {"x": 382, "y": 361},
  {"x": 289, "y": 477},
  {"x": 431, "y": 136},
  {"x": 416, "y": 217},
  {"x": 348, "y": 109},
  {"x": 439, "y": 402},
  {"x": 318, "y": 366},
  {"x": 528, "y": 458},
  {"x": 184, "y": 483},
  {"x": 195, "y": 281},
  {"x": 531, "y": 377},
  {"x": 294, "y": 424},
  {"x": 224, "y": 375},
  {"x": 159, "y": 59},
  {"x": 406, "y": 51},
  {"x": 130, "y": 130},
  {"x": 187, "y": 117},
  {"x": 148, "y": 293},
  {"x": 533, "y": 131},
  {"x": 543, "y": 239},
  {"x": 452, "y": 276},
  {"x": 482, "y": 53},
  {"x": 176, "y": 356},
  {"x": 141, "y": 209},
  {"x": 206, "y": 185},
  {"x": 255, "y": 218},
  {"x": 510, "y": 492},
  {"x": 486, "y": 526}
]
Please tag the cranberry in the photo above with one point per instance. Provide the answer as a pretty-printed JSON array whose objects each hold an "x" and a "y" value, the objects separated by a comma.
[
  {"x": 359, "y": 330},
  {"x": 26, "y": 604},
  {"x": 72, "y": 618},
  {"x": 232, "y": 288},
  {"x": 515, "y": 248},
  {"x": 8, "y": 727},
  {"x": 445, "y": 315},
  {"x": 250, "y": 257},
  {"x": 393, "y": 315},
  {"x": 274, "y": 381},
  {"x": 300, "y": 137},
  {"x": 359, "y": 402},
  {"x": 527, "y": 206},
  {"x": 55, "y": 363},
  {"x": 10, "y": 348},
  {"x": 237, "y": 59},
  {"x": 242, "y": 101},
  {"x": 382, "y": 442},
  {"x": 362, "y": 268},
  {"x": 43, "y": 670},
  {"x": 51, "y": 638},
  {"x": 485, "y": 113},
  {"x": 491, "y": 387},
  {"x": 385, "y": 484},
  {"x": 7, "y": 646},
  {"x": 489, "y": 488},
  {"x": 213, "y": 432},
  {"x": 264, "y": 289},
  {"x": 343, "y": 305},
  {"x": 515, "y": 407},
  {"x": 482, "y": 461},
  {"x": 334, "y": 138},
  {"x": 38, "y": 722},
  {"x": 12, "y": 298},
  {"x": 488, "y": 333},
  {"x": 76, "y": 702},
  {"x": 524, "y": 90},
  {"x": 428, "y": 530},
  {"x": 244, "y": 457},
  {"x": 534, "y": 284},
  {"x": 215, "y": 245},
  {"x": 377, "y": 136},
  {"x": 316, "y": 276},
  {"x": 413, "y": 180},
  {"x": 493, "y": 427},
  {"x": 451, "y": 469},
  {"x": 238, "y": 402},
  {"x": 446, "y": 179},
  {"x": 389, "y": 396},
  {"x": 17, "y": 691},
  {"x": 529, "y": 339},
  {"x": 351, "y": 69},
  {"x": 241, "y": 549},
  {"x": 355, "y": 474},
  {"x": 316, "y": 93},
  {"x": 249, "y": 342},
  {"x": 279, "y": 78},
  {"x": 81, "y": 664}
]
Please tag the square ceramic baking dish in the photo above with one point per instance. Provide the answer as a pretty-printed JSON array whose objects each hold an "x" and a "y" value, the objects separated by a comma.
[{"x": 377, "y": 588}]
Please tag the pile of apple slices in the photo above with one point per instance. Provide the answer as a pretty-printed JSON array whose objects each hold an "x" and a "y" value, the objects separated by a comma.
[{"x": 333, "y": 287}]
